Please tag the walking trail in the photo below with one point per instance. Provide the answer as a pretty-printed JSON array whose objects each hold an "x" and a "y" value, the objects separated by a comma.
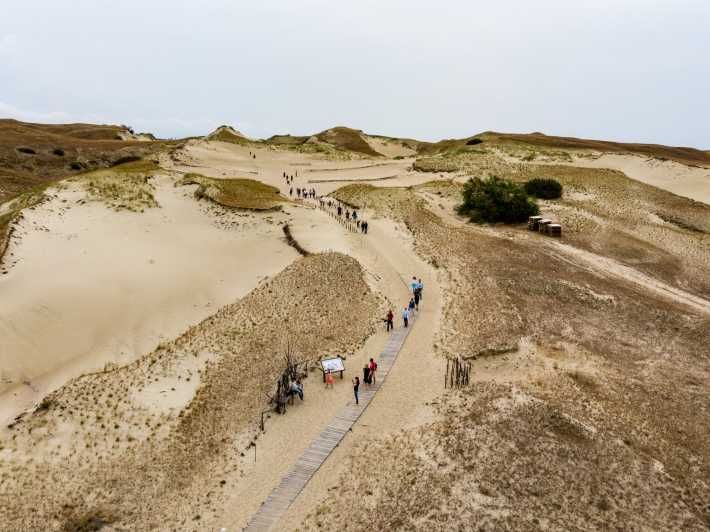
[
  {"x": 321, "y": 447},
  {"x": 307, "y": 449}
]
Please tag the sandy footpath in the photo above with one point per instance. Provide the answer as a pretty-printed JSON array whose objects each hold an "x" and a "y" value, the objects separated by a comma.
[{"x": 92, "y": 286}]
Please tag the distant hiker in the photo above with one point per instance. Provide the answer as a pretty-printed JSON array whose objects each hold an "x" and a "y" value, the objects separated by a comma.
[
  {"x": 416, "y": 299},
  {"x": 420, "y": 289},
  {"x": 354, "y": 215},
  {"x": 290, "y": 191},
  {"x": 347, "y": 215},
  {"x": 390, "y": 320},
  {"x": 254, "y": 156},
  {"x": 298, "y": 192},
  {"x": 340, "y": 210},
  {"x": 413, "y": 285},
  {"x": 358, "y": 224},
  {"x": 356, "y": 388},
  {"x": 329, "y": 379},
  {"x": 373, "y": 371},
  {"x": 405, "y": 316},
  {"x": 296, "y": 173},
  {"x": 365, "y": 227},
  {"x": 412, "y": 306},
  {"x": 366, "y": 374}
]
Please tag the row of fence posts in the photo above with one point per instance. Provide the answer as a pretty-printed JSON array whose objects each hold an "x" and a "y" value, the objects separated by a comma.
[
  {"x": 458, "y": 373},
  {"x": 348, "y": 224}
]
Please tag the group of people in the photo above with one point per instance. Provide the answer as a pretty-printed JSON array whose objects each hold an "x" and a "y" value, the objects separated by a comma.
[
  {"x": 417, "y": 288},
  {"x": 344, "y": 213},
  {"x": 289, "y": 178},
  {"x": 369, "y": 376},
  {"x": 303, "y": 193},
  {"x": 370, "y": 370}
]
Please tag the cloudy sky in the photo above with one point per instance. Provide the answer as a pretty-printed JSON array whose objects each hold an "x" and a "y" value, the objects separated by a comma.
[{"x": 632, "y": 70}]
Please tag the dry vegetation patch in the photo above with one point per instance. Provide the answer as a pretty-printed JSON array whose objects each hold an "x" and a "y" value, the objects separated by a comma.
[
  {"x": 237, "y": 193},
  {"x": 123, "y": 187},
  {"x": 36, "y": 154},
  {"x": 613, "y": 383}
]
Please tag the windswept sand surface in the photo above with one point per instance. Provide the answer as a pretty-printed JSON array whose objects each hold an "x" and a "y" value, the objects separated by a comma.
[
  {"x": 220, "y": 159},
  {"x": 92, "y": 286},
  {"x": 688, "y": 181}
]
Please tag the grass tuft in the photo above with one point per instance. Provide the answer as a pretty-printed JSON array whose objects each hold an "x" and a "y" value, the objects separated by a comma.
[{"x": 235, "y": 193}]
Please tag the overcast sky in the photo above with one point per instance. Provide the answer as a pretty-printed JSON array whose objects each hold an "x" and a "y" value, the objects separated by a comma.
[{"x": 631, "y": 70}]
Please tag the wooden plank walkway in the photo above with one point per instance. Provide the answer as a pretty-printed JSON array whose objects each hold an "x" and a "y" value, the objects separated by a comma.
[{"x": 276, "y": 504}]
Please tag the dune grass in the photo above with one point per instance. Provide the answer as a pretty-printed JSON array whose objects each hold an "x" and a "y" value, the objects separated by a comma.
[
  {"x": 11, "y": 210},
  {"x": 235, "y": 193},
  {"x": 224, "y": 135},
  {"x": 123, "y": 187}
]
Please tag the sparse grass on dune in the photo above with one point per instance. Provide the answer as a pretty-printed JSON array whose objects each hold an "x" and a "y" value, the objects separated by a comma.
[
  {"x": 32, "y": 154},
  {"x": 612, "y": 380},
  {"x": 123, "y": 187},
  {"x": 224, "y": 135},
  {"x": 150, "y": 467},
  {"x": 347, "y": 139},
  {"x": 11, "y": 210},
  {"x": 236, "y": 193},
  {"x": 531, "y": 145}
]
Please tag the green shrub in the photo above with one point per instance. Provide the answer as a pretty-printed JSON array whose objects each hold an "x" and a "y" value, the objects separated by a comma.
[
  {"x": 496, "y": 200},
  {"x": 544, "y": 188}
]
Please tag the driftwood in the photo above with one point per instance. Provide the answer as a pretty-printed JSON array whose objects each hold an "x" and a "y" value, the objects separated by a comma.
[{"x": 294, "y": 371}]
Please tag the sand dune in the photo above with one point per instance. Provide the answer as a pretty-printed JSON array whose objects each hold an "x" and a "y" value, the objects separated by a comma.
[
  {"x": 190, "y": 304},
  {"x": 107, "y": 287},
  {"x": 689, "y": 181}
]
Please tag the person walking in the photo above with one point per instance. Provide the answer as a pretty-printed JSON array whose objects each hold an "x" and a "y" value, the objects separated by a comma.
[
  {"x": 290, "y": 191},
  {"x": 366, "y": 374},
  {"x": 416, "y": 299},
  {"x": 329, "y": 379},
  {"x": 390, "y": 320},
  {"x": 367, "y": 226},
  {"x": 420, "y": 288},
  {"x": 356, "y": 388},
  {"x": 412, "y": 306},
  {"x": 373, "y": 371},
  {"x": 405, "y": 316},
  {"x": 413, "y": 284}
]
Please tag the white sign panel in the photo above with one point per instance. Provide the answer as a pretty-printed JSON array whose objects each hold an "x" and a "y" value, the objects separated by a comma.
[{"x": 331, "y": 365}]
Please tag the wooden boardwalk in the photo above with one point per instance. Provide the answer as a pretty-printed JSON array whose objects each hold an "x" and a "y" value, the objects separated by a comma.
[{"x": 276, "y": 504}]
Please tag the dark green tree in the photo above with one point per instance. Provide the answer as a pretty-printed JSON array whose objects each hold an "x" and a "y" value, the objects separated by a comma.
[{"x": 496, "y": 200}]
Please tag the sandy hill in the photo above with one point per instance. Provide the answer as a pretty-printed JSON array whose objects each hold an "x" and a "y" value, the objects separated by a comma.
[
  {"x": 340, "y": 138},
  {"x": 226, "y": 133},
  {"x": 684, "y": 155},
  {"x": 33, "y": 154}
]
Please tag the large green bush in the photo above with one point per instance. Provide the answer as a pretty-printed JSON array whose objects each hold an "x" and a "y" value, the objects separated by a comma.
[
  {"x": 496, "y": 200},
  {"x": 544, "y": 188}
]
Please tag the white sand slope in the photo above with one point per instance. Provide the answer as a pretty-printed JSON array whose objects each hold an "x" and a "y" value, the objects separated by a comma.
[
  {"x": 689, "y": 181},
  {"x": 93, "y": 286}
]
